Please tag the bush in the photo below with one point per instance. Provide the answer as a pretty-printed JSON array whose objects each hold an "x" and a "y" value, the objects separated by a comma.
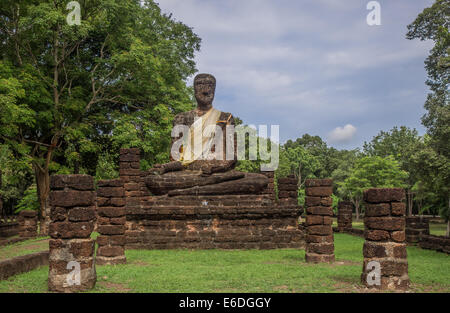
[{"x": 29, "y": 201}]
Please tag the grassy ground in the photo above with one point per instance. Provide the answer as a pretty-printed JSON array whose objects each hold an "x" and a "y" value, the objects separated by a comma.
[
  {"x": 438, "y": 229},
  {"x": 23, "y": 248},
  {"x": 246, "y": 271}
]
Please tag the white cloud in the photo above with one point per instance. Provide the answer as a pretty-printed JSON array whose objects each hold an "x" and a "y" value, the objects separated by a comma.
[{"x": 342, "y": 134}]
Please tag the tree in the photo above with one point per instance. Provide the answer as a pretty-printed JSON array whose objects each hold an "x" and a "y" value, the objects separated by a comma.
[
  {"x": 433, "y": 170},
  {"x": 299, "y": 162},
  {"x": 15, "y": 178},
  {"x": 371, "y": 172},
  {"x": 433, "y": 24},
  {"x": 327, "y": 157},
  {"x": 346, "y": 162},
  {"x": 400, "y": 143},
  {"x": 67, "y": 92}
]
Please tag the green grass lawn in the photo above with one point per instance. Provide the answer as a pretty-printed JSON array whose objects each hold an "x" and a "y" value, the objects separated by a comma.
[
  {"x": 246, "y": 271},
  {"x": 23, "y": 248},
  {"x": 438, "y": 229}
]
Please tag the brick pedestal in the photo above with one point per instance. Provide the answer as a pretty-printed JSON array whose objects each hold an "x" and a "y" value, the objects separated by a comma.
[
  {"x": 385, "y": 240},
  {"x": 319, "y": 239},
  {"x": 344, "y": 218},
  {"x": 71, "y": 259},
  {"x": 111, "y": 222},
  {"x": 416, "y": 228},
  {"x": 28, "y": 224}
]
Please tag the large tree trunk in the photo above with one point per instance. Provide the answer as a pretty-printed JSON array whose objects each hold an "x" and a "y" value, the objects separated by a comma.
[{"x": 43, "y": 191}]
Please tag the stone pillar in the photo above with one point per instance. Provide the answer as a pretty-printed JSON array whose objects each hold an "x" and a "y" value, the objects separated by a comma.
[
  {"x": 130, "y": 174},
  {"x": 416, "y": 227},
  {"x": 71, "y": 259},
  {"x": 319, "y": 239},
  {"x": 111, "y": 222},
  {"x": 287, "y": 188},
  {"x": 344, "y": 218},
  {"x": 385, "y": 247},
  {"x": 28, "y": 224}
]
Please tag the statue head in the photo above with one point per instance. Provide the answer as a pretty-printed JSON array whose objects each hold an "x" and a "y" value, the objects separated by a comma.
[{"x": 204, "y": 87}]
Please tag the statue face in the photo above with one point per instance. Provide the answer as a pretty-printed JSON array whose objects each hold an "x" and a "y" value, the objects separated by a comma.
[{"x": 204, "y": 87}]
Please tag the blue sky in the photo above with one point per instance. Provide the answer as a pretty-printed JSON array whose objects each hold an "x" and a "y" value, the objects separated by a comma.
[{"x": 312, "y": 66}]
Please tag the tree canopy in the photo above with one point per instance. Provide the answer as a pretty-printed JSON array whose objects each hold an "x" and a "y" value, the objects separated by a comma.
[{"x": 69, "y": 93}]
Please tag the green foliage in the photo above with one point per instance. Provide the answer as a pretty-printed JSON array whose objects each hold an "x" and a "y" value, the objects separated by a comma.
[
  {"x": 346, "y": 160},
  {"x": 400, "y": 143},
  {"x": 29, "y": 201},
  {"x": 335, "y": 203},
  {"x": 15, "y": 176},
  {"x": 433, "y": 24},
  {"x": 297, "y": 161},
  {"x": 371, "y": 172},
  {"x": 325, "y": 157},
  {"x": 70, "y": 93},
  {"x": 107, "y": 167}
]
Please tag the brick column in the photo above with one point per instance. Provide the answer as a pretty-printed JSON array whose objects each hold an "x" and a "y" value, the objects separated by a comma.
[
  {"x": 28, "y": 224},
  {"x": 130, "y": 174},
  {"x": 384, "y": 223},
  {"x": 319, "y": 239},
  {"x": 287, "y": 188},
  {"x": 111, "y": 222},
  {"x": 344, "y": 218},
  {"x": 72, "y": 200},
  {"x": 416, "y": 227}
]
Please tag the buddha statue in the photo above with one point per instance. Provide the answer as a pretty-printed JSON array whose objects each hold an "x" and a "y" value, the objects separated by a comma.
[{"x": 202, "y": 167}]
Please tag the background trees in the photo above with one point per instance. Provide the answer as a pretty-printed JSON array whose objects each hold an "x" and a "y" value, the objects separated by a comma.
[
  {"x": 71, "y": 93},
  {"x": 433, "y": 24},
  {"x": 400, "y": 143},
  {"x": 71, "y": 96},
  {"x": 371, "y": 172}
]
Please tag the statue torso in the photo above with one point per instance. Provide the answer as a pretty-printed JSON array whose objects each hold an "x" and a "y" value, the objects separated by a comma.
[{"x": 188, "y": 118}]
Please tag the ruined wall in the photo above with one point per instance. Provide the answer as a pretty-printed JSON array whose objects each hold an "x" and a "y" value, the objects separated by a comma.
[
  {"x": 72, "y": 201},
  {"x": 287, "y": 188},
  {"x": 9, "y": 229},
  {"x": 206, "y": 222},
  {"x": 384, "y": 223},
  {"x": 319, "y": 239},
  {"x": 111, "y": 222},
  {"x": 437, "y": 243},
  {"x": 416, "y": 227},
  {"x": 28, "y": 221},
  {"x": 344, "y": 217}
]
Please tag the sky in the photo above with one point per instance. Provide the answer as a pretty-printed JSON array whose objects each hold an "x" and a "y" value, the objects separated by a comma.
[{"x": 312, "y": 66}]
